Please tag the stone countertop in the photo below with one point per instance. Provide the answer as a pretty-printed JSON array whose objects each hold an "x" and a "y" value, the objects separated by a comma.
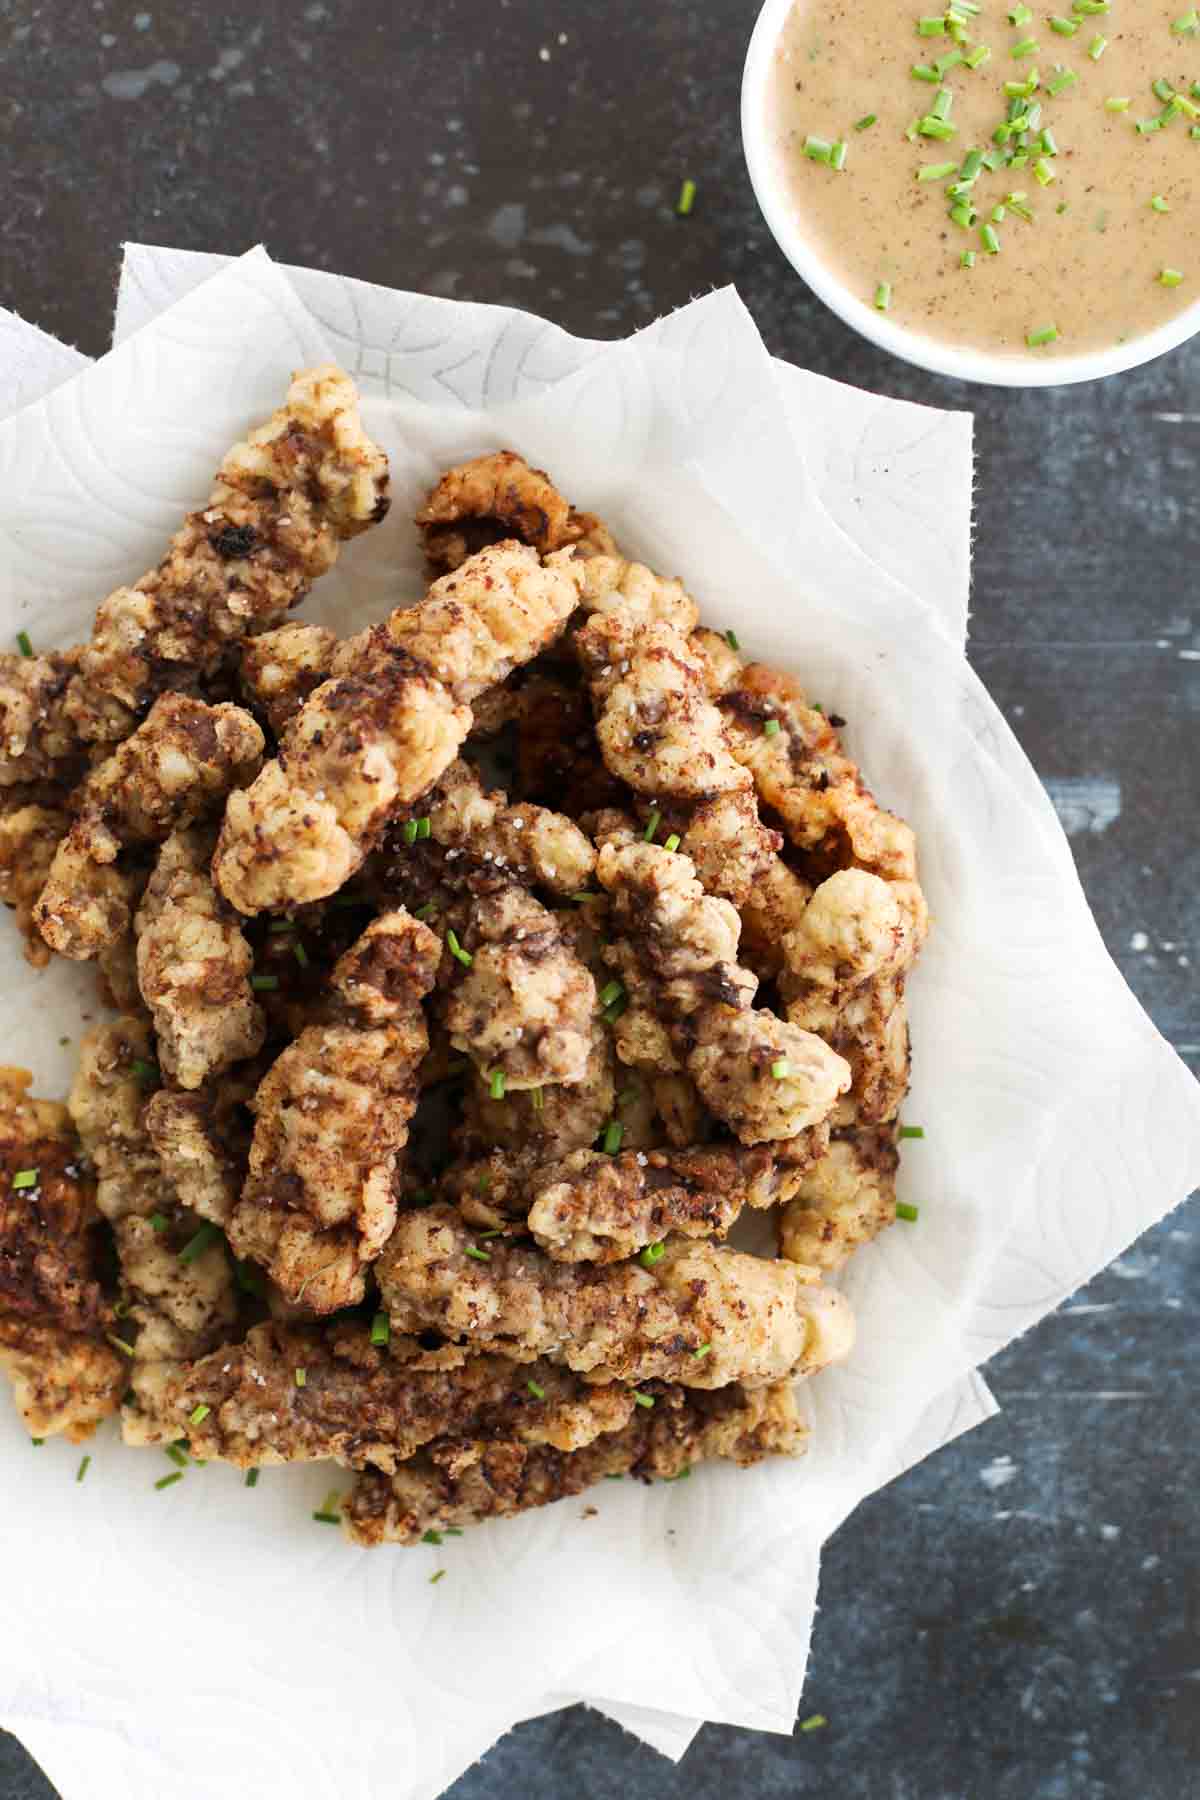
[{"x": 1016, "y": 1619}]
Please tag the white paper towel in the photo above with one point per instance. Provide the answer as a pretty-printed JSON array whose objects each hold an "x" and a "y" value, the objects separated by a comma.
[{"x": 214, "y": 1628}]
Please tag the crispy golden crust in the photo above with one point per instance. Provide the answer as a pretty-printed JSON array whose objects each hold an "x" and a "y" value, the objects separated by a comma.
[
  {"x": 529, "y": 842},
  {"x": 490, "y": 498},
  {"x": 332, "y": 1116},
  {"x": 114, "y": 1079},
  {"x": 523, "y": 1007},
  {"x": 385, "y": 727},
  {"x": 843, "y": 1201},
  {"x": 615, "y": 1322},
  {"x": 194, "y": 966},
  {"x": 180, "y": 762},
  {"x": 457, "y": 1484},
  {"x": 281, "y": 668},
  {"x": 53, "y": 1315},
  {"x": 284, "y": 500},
  {"x": 182, "y": 1297},
  {"x": 38, "y": 740},
  {"x": 202, "y": 1140},
  {"x": 548, "y": 1121},
  {"x": 29, "y": 837},
  {"x": 690, "y": 1000},
  {"x": 737, "y": 857},
  {"x": 592, "y": 1207},
  {"x": 362, "y": 1403}
]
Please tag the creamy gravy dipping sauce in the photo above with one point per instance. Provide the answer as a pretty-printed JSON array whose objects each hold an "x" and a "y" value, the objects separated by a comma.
[{"x": 1123, "y": 206}]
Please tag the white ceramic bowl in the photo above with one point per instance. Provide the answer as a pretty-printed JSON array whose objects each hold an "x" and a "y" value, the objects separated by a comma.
[{"x": 913, "y": 346}]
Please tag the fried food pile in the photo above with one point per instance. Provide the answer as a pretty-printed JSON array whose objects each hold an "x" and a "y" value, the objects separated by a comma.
[{"x": 423, "y": 1108}]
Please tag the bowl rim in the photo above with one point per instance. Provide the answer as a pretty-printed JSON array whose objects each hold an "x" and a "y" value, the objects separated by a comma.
[{"x": 963, "y": 364}]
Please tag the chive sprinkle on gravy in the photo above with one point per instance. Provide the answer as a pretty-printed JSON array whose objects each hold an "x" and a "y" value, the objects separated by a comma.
[{"x": 1008, "y": 177}]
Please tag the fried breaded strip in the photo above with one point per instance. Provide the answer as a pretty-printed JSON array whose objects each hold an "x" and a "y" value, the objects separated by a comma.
[
  {"x": 737, "y": 857},
  {"x": 53, "y": 1315},
  {"x": 361, "y": 1403},
  {"x": 203, "y": 1143},
  {"x": 523, "y": 1007},
  {"x": 592, "y": 1207},
  {"x": 550, "y": 1121},
  {"x": 690, "y": 1000},
  {"x": 454, "y": 1484},
  {"x": 331, "y": 1119},
  {"x": 38, "y": 740},
  {"x": 114, "y": 1079},
  {"x": 492, "y": 497},
  {"x": 843, "y": 1201},
  {"x": 530, "y": 842},
  {"x": 194, "y": 965},
  {"x": 386, "y": 726},
  {"x": 29, "y": 837},
  {"x": 181, "y": 760},
  {"x": 281, "y": 668},
  {"x": 749, "y": 1319},
  {"x": 284, "y": 501},
  {"x": 179, "y": 1289}
]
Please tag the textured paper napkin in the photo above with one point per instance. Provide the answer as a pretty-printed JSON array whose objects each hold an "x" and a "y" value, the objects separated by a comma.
[{"x": 352, "y": 1672}]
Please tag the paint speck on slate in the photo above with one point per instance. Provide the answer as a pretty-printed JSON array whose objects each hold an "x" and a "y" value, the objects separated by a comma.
[
  {"x": 1110, "y": 1533},
  {"x": 142, "y": 21},
  {"x": 507, "y": 225},
  {"x": 998, "y": 1473},
  {"x": 1139, "y": 941},
  {"x": 131, "y": 84},
  {"x": 1085, "y": 803}
]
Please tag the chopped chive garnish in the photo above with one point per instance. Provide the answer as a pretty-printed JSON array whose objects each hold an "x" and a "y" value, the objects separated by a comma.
[
  {"x": 963, "y": 215},
  {"x": 999, "y": 214},
  {"x": 24, "y": 643},
  {"x": 943, "y": 103},
  {"x": 976, "y": 58},
  {"x": 424, "y": 828},
  {"x": 410, "y": 831},
  {"x": 780, "y": 1068},
  {"x": 912, "y": 1131},
  {"x": 610, "y": 992},
  {"x": 478, "y": 1254},
  {"x": 381, "y": 1328},
  {"x": 838, "y": 154},
  {"x": 865, "y": 123},
  {"x": 1024, "y": 47},
  {"x": 1159, "y": 205},
  {"x": 614, "y": 1131},
  {"x": 176, "y": 1455},
  {"x": 1162, "y": 89},
  {"x": 196, "y": 1246},
  {"x": 1117, "y": 103},
  {"x": 731, "y": 638},
  {"x": 817, "y": 149},
  {"x": 652, "y": 824},
  {"x": 687, "y": 198},
  {"x": 1046, "y": 334},
  {"x": 323, "y": 1517},
  {"x": 1187, "y": 25},
  {"x": 537, "y": 1099},
  {"x": 1064, "y": 27},
  {"x": 159, "y": 1222},
  {"x": 251, "y": 1477},
  {"x": 883, "y": 300},
  {"x": 989, "y": 240},
  {"x": 931, "y": 25},
  {"x": 1064, "y": 79},
  {"x": 924, "y": 72},
  {"x": 167, "y": 1481},
  {"x": 701, "y": 1350},
  {"x": 199, "y": 1413},
  {"x": 1146, "y": 126},
  {"x": 814, "y": 1722},
  {"x": 25, "y": 1178},
  {"x": 1019, "y": 15},
  {"x": 145, "y": 1071},
  {"x": 1087, "y": 8},
  {"x": 1097, "y": 47},
  {"x": 425, "y": 912},
  {"x": 83, "y": 1468},
  {"x": 653, "y": 1253},
  {"x": 612, "y": 1013},
  {"x": 436, "y": 1576},
  {"x": 301, "y": 1377},
  {"x": 431, "y": 1536},
  {"x": 1170, "y": 278},
  {"x": 905, "y": 1211},
  {"x": 944, "y": 64},
  {"x": 680, "y": 1474},
  {"x": 536, "y": 1389},
  {"x": 300, "y": 954},
  {"x": 672, "y": 843},
  {"x": 456, "y": 950},
  {"x": 932, "y": 127},
  {"x": 119, "y": 1344},
  {"x": 771, "y": 727},
  {"x": 967, "y": 259},
  {"x": 936, "y": 171},
  {"x": 1049, "y": 142},
  {"x": 37, "y": 1442},
  {"x": 265, "y": 984},
  {"x": 497, "y": 1084},
  {"x": 1043, "y": 171},
  {"x": 643, "y": 1399},
  {"x": 278, "y": 925}
]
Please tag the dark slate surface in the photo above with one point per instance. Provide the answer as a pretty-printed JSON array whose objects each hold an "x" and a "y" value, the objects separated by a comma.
[{"x": 999, "y": 1630}]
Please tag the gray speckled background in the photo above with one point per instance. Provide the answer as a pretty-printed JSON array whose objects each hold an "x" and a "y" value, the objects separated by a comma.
[{"x": 1019, "y": 1619}]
